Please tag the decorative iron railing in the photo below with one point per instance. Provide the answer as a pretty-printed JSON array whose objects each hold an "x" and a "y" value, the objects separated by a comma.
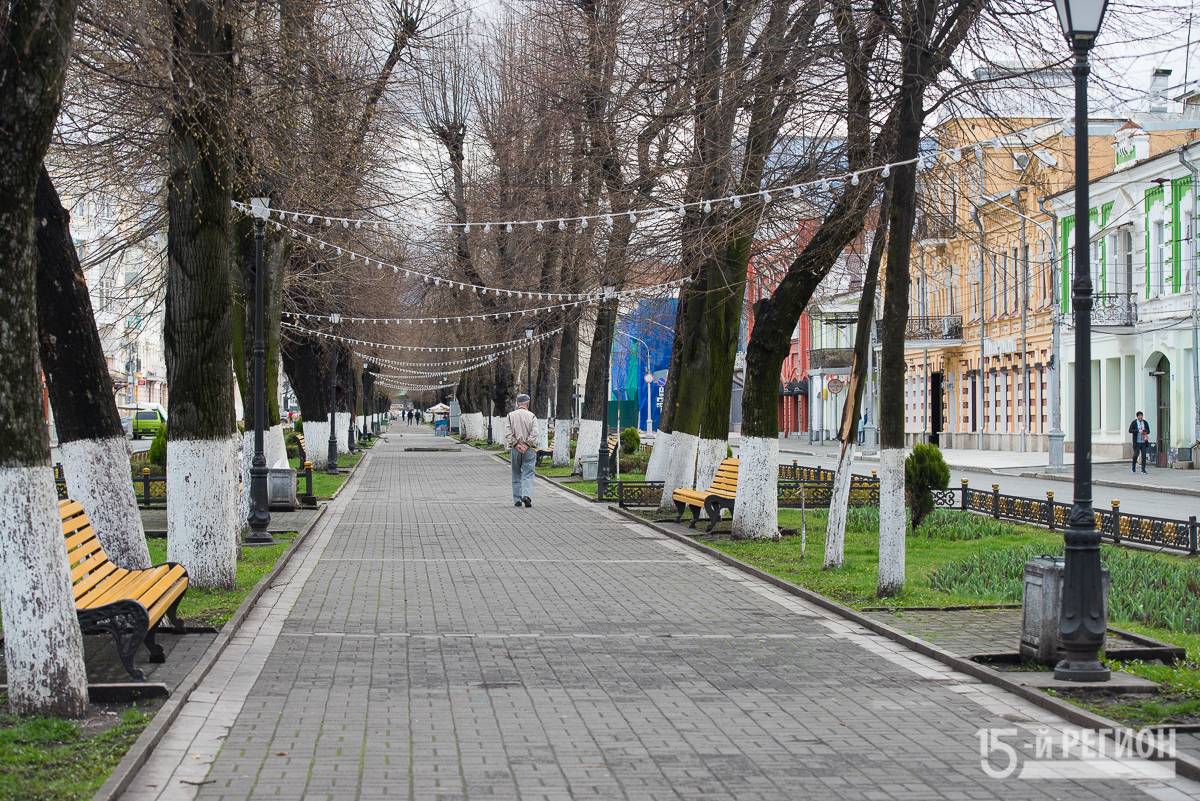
[
  {"x": 1114, "y": 308},
  {"x": 151, "y": 490},
  {"x": 948, "y": 328},
  {"x": 812, "y": 487},
  {"x": 830, "y": 358}
]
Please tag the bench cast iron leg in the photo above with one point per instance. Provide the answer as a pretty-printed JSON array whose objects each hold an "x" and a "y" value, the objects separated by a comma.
[
  {"x": 695, "y": 516},
  {"x": 679, "y": 507},
  {"x": 157, "y": 656}
]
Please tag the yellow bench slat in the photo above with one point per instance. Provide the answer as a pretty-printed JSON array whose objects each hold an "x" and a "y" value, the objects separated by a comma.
[
  {"x": 169, "y": 597},
  {"x": 107, "y": 571},
  {"x": 124, "y": 588}
]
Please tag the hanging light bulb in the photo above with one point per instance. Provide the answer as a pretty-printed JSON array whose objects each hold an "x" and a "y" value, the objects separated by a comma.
[
  {"x": 795, "y": 191},
  {"x": 487, "y": 227},
  {"x": 886, "y": 171},
  {"x": 633, "y": 217},
  {"x": 540, "y": 227},
  {"x": 310, "y": 218},
  {"x": 854, "y": 179},
  {"x": 708, "y": 207},
  {"x": 583, "y": 223},
  {"x": 562, "y": 225},
  {"x": 467, "y": 228},
  {"x": 345, "y": 224},
  {"x": 766, "y": 197},
  {"x": 737, "y": 202},
  {"x": 328, "y": 222},
  {"x": 508, "y": 227}
]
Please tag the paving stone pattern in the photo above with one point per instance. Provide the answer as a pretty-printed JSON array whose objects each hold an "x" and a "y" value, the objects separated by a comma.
[{"x": 433, "y": 642}]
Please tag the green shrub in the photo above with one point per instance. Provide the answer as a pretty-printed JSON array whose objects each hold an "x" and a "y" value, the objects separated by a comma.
[
  {"x": 924, "y": 471},
  {"x": 158, "y": 448},
  {"x": 630, "y": 440},
  {"x": 298, "y": 426}
]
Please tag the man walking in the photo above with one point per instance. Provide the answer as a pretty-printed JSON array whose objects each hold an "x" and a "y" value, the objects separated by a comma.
[
  {"x": 1140, "y": 429},
  {"x": 521, "y": 438}
]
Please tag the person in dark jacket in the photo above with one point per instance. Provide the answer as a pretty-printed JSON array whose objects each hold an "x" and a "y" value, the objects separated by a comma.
[{"x": 1140, "y": 429}]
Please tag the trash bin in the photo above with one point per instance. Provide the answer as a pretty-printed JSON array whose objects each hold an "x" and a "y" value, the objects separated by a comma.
[
  {"x": 1041, "y": 607},
  {"x": 281, "y": 489},
  {"x": 589, "y": 466}
]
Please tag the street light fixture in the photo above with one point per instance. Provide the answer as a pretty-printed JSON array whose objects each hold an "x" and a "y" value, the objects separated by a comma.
[
  {"x": 1083, "y": 620},
  {"x": 260, "y": 513},
  {"x": 649, "y": 379}
]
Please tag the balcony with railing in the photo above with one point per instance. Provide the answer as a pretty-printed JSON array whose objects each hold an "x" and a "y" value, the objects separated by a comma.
[
  {"x": 1114, "y": 308},
  {"x": 934, "y": 224},
  {"x": 933, "y": 331},
  {"x": 830, "y": 358}
]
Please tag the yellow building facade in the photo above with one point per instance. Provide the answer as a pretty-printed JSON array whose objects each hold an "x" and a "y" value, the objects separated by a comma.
[{"x": 983, "y": 303}]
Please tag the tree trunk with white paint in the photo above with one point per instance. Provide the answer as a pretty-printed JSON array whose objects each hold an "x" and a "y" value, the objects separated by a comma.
[
  {"x": 543, "y": 432},
  {"x": 95, "y": 453},
  {"x": 275, "y": 447},
  {"x": 43, "y": 649},
  {"x": 316, "y": 439},
  {"x": 709, "y": 455},
  {"x": 587, "y": 442},
  {"x": 660, "y": 456},
  {"x": 681, "y": 472},
  {"x": 756, "y": 511},
  {"x": 202, "y": 465},
  {"x": 562, "y": 443},
  {"x": 893, "y": 517},
  {"x": 342, "y": 423},
  {"x": 839, "y": 503},
  {"x": 471, "y": 425}
]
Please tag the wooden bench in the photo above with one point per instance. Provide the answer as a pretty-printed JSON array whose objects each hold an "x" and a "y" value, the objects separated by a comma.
[
  {"x": 128, "y": 604},
  {"x": 720, "y": 495}
]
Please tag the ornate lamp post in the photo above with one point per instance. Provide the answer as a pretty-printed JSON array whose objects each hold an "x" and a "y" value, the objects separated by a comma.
[
  {"x": 529, "y": 361},
  {"x": 332, "y": 467},
  {"x": 649, "y": 379},
  {"x": 1083, "y": 620},
  {"x": 260, "y": 514}
]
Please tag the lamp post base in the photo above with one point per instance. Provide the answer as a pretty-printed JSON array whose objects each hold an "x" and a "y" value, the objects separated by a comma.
[
  {"x": 254, "y": 539},
  {"x": 1057, "y": 449},
  {"x": 1081, "y": 670}
]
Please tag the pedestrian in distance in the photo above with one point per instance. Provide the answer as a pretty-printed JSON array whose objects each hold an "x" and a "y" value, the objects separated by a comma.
[
  {"x": 521, "y": 438},
  {"x": 1140, "y": 429}
]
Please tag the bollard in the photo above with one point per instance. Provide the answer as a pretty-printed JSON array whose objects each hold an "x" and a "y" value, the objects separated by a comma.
[
  {"x": 1193, "y": 546},
  {"x": 1050, "y": 508},
  {"x": 1116, "y": 520},
  {"x": 996, "y": 501},
  {"x": 963, "y": 481},
  {"x": 145, "y": 486},
  {"x": 308, "y": 492}
]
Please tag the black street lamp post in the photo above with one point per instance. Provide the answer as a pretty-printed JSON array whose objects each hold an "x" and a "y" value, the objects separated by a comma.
[
  {"x": 1083, "y": 620},
  {"x": 529, "y": 362},
  {"x": 332, "y": 466},
  {"x": 610, "y": 293},
  {"x": 260, "y": 514}
]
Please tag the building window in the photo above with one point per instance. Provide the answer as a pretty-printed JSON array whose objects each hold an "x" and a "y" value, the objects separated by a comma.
[{"x": 1158, "y": 264}]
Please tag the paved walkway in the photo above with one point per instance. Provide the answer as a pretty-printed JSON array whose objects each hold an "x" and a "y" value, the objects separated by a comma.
[{"x": 433, "y": 642}]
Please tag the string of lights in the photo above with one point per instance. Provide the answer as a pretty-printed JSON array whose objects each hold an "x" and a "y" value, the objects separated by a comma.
[
  {"x": 423, "y": 348},
  {"x": 604, "y": 293},
  {"x": 764, "y": 196}
]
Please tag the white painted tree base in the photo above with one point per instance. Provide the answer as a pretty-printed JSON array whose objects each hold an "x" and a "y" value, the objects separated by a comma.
[
  {"x": 275, "y": 447},
  {"x": 499, "y": 426},
  {"x": 682, "y": 470},
  {"x": 202, "y": 504},
  {"x": 562, "y": 443},
  {"x": 543, "y": 440},
  {"x": 342, "y": 422},
  {"x": 839, "y": 508},
  {"x": 43, "y": 649},
  {"x": 709, "y": 455},
  {"x": 97, "y": 474},
  {"x": 471, "y": 424},
  {"x": 246, "y": 460},
  {"x": 587, "y": 443},
  {"x": 316, "y": 443},
  {"x": 756, "y": 509},
  {"x": 893, "y": 519},
  {"x": 660, "y": 457}
]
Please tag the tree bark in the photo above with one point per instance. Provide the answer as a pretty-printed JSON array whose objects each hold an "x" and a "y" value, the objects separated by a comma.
[
  {"x": 43, "y": 648},
  {"x": 835, "y": 529},
  {"x": 202, "y": 466},
  {"x": 564, "y": 411},
  {"x": 95, "y": 452}
]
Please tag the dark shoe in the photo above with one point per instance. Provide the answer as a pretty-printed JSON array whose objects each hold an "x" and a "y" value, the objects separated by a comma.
[
  {"x": 527, "y": 501},
  {"x": 517, "y": 504},
  {"x": 1143, "y": 470}
]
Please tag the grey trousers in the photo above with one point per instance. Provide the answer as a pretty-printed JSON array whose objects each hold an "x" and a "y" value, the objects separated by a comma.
[{"x": 522, "y": 472}]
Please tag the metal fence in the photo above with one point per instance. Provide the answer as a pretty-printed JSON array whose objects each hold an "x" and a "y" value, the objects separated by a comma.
[
  {"x": 812, "y": 487},
  {"x": 151, "y": 490}
]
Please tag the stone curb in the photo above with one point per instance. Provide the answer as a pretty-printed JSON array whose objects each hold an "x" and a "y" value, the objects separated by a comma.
[
  {"x": 1186, "y": 766},
  {"x": 144, "y": 745},
  {"x": 1106, "y": 482}
]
